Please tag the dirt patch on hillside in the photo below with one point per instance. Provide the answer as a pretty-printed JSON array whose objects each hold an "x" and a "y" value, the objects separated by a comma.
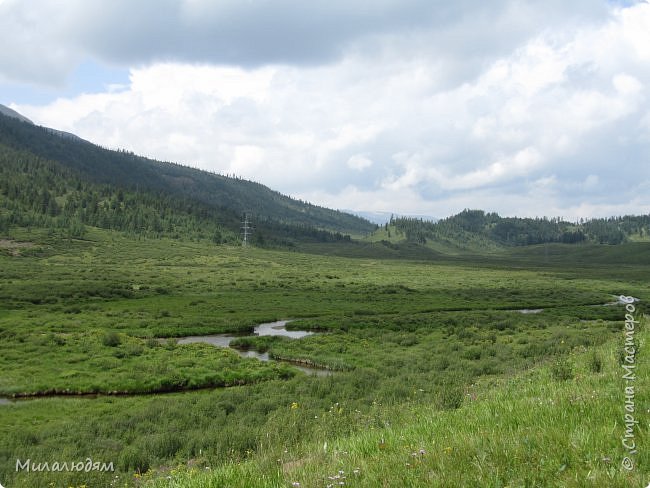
[{"x": 14, "y": 247}]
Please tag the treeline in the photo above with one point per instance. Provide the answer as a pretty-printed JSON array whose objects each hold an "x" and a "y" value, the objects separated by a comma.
[
  {"x": 267, "y": 233},
  {"x": 35, "y": 192},
  {"x": 39, "y": 193},
  {"x": 476, "y": 225}
]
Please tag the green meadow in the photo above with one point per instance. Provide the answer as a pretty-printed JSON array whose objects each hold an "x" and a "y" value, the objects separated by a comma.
[{"x": 500, "y": 368}]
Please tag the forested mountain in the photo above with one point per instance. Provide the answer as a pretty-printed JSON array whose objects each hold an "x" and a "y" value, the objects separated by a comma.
[
  {"x": 56, "y": 180},
  {"x": 53, "y": 178},
  {"x": 475, "y": 228},
  {"x": 13, "y": 114}
]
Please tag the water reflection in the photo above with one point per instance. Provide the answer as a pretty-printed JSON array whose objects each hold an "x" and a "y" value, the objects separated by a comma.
[{"x": 270, "y": 329}]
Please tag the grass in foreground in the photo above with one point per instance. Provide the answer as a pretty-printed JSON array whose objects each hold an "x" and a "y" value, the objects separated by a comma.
[{"x": 557, "y": 425}]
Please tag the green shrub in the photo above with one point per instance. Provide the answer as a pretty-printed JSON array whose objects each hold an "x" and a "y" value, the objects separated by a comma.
[
  {"x": 595, "y": 363},
  {"x": 472, "y": 353},
  {"x": 164, "y": 445},
  {"x": 562, "y": 369},
  {"x": 133, "y": 459},
  {"x": 450, "y": 395},
  {"x": 111, "y": 339}
]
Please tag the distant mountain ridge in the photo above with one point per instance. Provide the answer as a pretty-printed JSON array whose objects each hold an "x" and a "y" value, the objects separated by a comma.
[
  {"x": 476, "y": 229},
  {"x": 134, "y": 173},
  {"x": 4, "y": 110},
  {"x": 382, "y": 218}
]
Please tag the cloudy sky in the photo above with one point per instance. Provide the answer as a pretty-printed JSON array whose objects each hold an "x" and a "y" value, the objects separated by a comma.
[{"x": 406, "y": 106}]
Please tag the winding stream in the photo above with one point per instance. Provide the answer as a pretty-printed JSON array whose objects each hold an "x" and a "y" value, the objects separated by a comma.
[
  {"x": 223, "y": 340},
  {"x": 278, "y": 329},
  {"x": 269, "y": 329}
]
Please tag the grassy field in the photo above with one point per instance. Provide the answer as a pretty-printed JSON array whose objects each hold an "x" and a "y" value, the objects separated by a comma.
[
  {"x": 559, "y": 424},
  {"x": 427, "y": 350}
]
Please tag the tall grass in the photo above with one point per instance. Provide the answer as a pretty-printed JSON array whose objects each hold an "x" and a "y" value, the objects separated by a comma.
[{"x": 532, "y": 429}]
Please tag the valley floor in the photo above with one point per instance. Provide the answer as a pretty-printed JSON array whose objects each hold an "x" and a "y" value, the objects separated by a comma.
[{"x": 439, "y": 378}]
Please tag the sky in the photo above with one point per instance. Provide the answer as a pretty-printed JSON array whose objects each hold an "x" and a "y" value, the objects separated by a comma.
[{"x": 423, "y": 107}]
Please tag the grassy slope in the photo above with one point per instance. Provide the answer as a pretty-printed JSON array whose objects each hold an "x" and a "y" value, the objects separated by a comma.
[
  {"x": 459, "y": 246},
  {"x": 532, "y": 429}
]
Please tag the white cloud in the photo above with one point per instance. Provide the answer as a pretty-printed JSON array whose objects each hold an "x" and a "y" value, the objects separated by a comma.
[
  {"x": 359, "y": 162},
  {"x": 591, "y": 182},
  {"x": 626, "y": 84},
  {"x": 414, "y": 123}
]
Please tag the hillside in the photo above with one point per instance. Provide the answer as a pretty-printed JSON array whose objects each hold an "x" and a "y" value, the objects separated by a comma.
[
  {"x": 127, "y": 172},
  {"x": 4, "y": 110},
  {"x": 56, "y": 180},
  {"x": 477, "y": 231}
]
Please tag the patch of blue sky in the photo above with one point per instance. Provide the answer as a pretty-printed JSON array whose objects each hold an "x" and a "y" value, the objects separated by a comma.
[
  {"x": 88, "y": 77},
  {"x": 625, "y": 3}
]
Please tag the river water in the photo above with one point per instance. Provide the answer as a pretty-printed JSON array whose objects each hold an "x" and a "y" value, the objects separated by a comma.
[
  {"x": 223, "y": 340},
  {"x": 269, "y": 329}
]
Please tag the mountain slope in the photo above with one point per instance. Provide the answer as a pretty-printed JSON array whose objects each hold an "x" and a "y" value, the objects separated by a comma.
[
  {"x": 477, "y": 230},
  {"x": 126, "y": 170},
  {"x": 4, "y": 110}
]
